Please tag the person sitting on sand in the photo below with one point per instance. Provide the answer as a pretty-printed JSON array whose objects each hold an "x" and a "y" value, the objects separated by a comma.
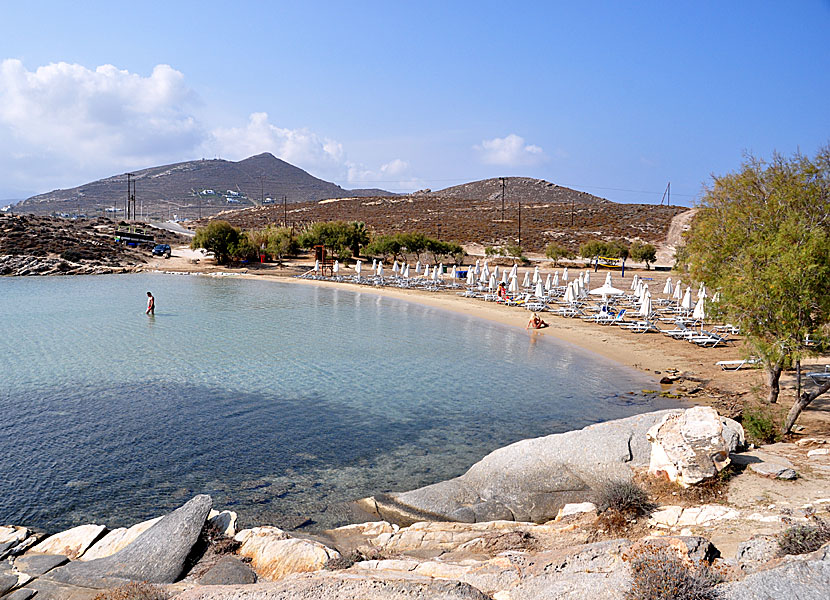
[
  {"x": 151, "y": 304},
  {"x": 536, "y": 322}
]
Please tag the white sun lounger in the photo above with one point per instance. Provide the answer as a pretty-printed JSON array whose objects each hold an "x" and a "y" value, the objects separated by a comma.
[{"x": 734, "y": 365}]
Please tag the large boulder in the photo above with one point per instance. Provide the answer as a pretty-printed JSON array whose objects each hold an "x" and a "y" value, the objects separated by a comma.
[
  {"x": 692, "y": 446},
  {"x": 156, "y": 556},
  {"x": 117, "y": 540},
  {"x": 274, "y": 554},
  {"x": 804, "y": 577},
  {"x": 531, "y": 479},
  {"x": 338, "y": 585},
  {"x": 71, "y": 543}
]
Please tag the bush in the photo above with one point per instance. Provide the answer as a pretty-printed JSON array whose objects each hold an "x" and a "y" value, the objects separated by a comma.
[
  {"x": 555, "y": 252},
  {"x": 134, "y": 591},
  {"x": 802, "y": 539},
  {"x": 490, "y": 251},
  {"x": 593, "y": 248},
  {"x": 219, "y": 237},
  {"x": 625, "y": 497},
  {"x": 335, "y": 235},
  {"x": 759, "y": 426},
  {"x": 660, "y": 574},
  {"x": 645, "y": 253}
]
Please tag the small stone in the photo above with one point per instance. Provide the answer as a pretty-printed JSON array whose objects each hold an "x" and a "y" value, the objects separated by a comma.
[
  {"x": 225, "y": 522},
  {"x": 773, "y": 470},
  {"x": 818, "y": 452},
  {"x": 667, "y": 516},
  {"x": 575, "y": 509}
]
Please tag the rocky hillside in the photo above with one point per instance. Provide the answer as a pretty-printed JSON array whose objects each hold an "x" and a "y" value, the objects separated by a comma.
[
  {"x": 479, "y": 220},
  {"x": 193, "y": 189},
  {"x": 524, "y": 189}
]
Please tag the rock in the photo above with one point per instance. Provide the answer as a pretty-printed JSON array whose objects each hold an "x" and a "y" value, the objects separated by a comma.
[
  {"x": 532, "y": 478},
  {"x": 156, "y": 556},
  {"x": 117, "y": 539},
  {"x": 52, "y": 590},
  {"x": 340, "y": 585},
  {"x": 818, "y": 452},
  {"x": 228, "y": 571},
  {"x": 38, "y": 564},
  {"x": 666, "y": 516},
  {"x": 757, "y": 549},
  {"x": 72, "y": 543},
  {"x": 805, "y": 577},
  {"x": 691, "y": 446},
  {"x": 8, "y": 581},
  {"x": 13, "y": 533},
  {"x": 224, "y": 521},
  {"x": 428, "y": 539},
  {"x": 274, "y": 554},
  {"x": 773, "y": 470},
  {"x": 21, "y": 594}
]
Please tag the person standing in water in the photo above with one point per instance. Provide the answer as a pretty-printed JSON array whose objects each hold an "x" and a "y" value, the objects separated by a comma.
[{"x": 151, "y": 304}]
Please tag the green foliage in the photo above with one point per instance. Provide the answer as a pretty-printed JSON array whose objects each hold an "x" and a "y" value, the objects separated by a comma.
[
  {"x": 399, "y": 244},
  {"x": 556, "y": 252},
  {"x": 759, "y": 426},
  {"x": 335, "y": 235},
  {"x": 219, "y": 237},
  {"x": 658, "y": 573},
  {"x": 516, "y": 253},
  {"x": 625, "y": 497},
  {"x": 385, "y": 246},
  {"x": 617, "y": 249},
  {"x": 490, "y": 251},
  {"x": 802, "y": 539},
  {"x": 280, "y": 242},
  {"x": 245, "y": 248},
  {"x": 644, "y": 253},
  {"x": 593, "y": 248}
]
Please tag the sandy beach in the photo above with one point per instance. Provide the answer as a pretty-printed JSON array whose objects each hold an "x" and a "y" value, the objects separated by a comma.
[{"x": 703, "y": 382}]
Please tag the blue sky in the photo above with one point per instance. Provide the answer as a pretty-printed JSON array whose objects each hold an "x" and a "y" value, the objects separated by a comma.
[{"x": 614, "y": 98}]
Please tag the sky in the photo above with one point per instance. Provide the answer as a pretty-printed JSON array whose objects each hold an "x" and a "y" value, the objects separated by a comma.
[{"x": 614, "y": 98}]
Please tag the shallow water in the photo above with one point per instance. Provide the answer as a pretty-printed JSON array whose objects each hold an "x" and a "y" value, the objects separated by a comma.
[{"x": 276, "y": 399}]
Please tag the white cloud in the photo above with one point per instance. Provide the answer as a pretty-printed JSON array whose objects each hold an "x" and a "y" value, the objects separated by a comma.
[
  {"x": 88, "y": 117},
  {"x": 509, "y": 151}
]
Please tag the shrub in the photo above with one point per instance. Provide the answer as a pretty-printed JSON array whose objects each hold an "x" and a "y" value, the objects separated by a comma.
[
  {"x": 134, "y": 591},
  {"x": 335, "y": 235},
  {"x": 219, "y": 237},
  {"x": 802, "y": 539},
  {"x": 759, "y": 426},
  {"x": 490, "y": 251},
  {"x": 593, "y": 248},
  {"x": 625, "y": 497},
  {"x": 660, "y": 574},
  {"x": 645, "y": 253},
  {"x": 555, "y": 252}
]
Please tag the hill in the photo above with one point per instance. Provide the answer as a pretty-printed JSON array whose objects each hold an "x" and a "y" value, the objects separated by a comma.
[
  {"x": 525, "y": 189},
  {"x": 192, "y": 189}
]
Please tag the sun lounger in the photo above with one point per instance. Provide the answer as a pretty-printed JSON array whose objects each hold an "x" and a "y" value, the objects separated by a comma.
[
  {"x": 735, "y": 365},
  {"x": 640, "y": 326},
  {"x": 820, "y": 378}
]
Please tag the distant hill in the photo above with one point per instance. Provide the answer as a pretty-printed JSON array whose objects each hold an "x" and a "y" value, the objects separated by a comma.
[
  {"x": 182, "y": 189},
  {"x": 525, "y": 189}
]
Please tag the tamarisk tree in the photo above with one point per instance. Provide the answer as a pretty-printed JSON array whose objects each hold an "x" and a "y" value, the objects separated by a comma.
[{"x": 761, "y": 236}]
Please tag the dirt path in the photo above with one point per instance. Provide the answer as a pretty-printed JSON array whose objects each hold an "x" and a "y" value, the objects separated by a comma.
[{"x": 679, "y": 225}]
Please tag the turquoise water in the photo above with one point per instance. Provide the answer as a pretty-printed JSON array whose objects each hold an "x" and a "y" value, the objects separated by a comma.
[{"x": 277, "y": 399}]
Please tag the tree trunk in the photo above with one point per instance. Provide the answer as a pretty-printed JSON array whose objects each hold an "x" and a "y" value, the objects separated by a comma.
[
  {"x": 773, "y": 378},
  {"x": 803, "y": 402}
]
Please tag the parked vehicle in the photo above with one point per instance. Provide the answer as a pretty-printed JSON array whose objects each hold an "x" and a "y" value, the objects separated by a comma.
[{"x": 162, "y": 250}]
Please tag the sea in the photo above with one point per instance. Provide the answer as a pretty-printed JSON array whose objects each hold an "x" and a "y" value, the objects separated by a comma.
[{"x": 284, "y": 402}]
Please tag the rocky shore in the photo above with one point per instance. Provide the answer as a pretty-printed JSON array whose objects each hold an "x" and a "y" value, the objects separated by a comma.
[{"x": 529, "y": 521}]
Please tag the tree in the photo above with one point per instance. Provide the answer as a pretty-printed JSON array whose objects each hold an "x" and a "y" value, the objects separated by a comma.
[
  {"x": 761, "y": 237},
  {"x": 617, "y": 249},
  {"x": 280, "y": 242},
  {"x": 219, "y": 237},
  {"x": 337, "y": 236},
  {"x": 645, "y": 253},
  {"x": 593, "y": 249},
  {"x": 556, "y": 252}
]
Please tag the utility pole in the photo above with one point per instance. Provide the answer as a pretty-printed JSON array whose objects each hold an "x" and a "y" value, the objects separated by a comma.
[
  {"x": 666, "y": 195},
  {"x": 129, "y": 190},
  {"x": 572, "y": 210},
  {"x": 130, "y": 196},
  {"x": 261, "y": 190},
  {"x": 284, "y": 211},
  {"x": 503, "y": 179},
  {"x": 520, "y": 221}
]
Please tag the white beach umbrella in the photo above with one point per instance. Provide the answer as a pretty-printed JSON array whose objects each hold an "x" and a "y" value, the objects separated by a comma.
[
  {"x": 668, "y": 289},
  {"x": 491, "y": 285},
  {"x": 454, "y": 273},
  {"x": 565, "y": 274},
  {"x": 540, "y": 293},
  {"x": 700, "y": 311},
  {"x": 477, "y": 270},
  {"x": 484, "y": 276},
  {"x": 514, "y": 271},
  {"x": 716, "y": 297},
  {"x": 380, "y": 269},
  {"x": 701, "y": 291},
  {"x": 587, "y": 278},
  {"x": 608, "y": 279},
  {"x": 336, "y": 267},
  {"x": 536, "y": 276},
  {"x": 569, "y": 295},
  {"x": 406, "y": 271},
  {"x": 513, "y": 288},
  {"x": 471, "y": 276},
  {"x": 374, "y": 264},
  {"x": 638, "y": 290},
  {"x": 426, "y": 271},
  {"x": 547, "y": 283},
  {"x": 436, "y": 271},
  {"x": 496, "y": 272},
  {"x": 645, "y": 306},
  {"x": 418, "y": 267},
  {"x": 505, "y": 276},
  {"x": 605, "y": 291},
  {"x": 577, "y": 291},
  {"x": 358, "y": 266},
  {"x": 687, "y": 299},
  {"x": 634, "y": 281},
  {"x": 316, "y": 266},
  {"x": 526, "y": 280},
  {"x": 555, "y": 282},
  {"x": 678, "y": 291}
]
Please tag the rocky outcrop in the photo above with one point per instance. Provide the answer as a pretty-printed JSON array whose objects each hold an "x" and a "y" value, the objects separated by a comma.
[
  {"x": 804, "y": 577},
  {"x": 531, "y": 479},
  {"x": 71, "y": 543},
  {"x": 156, "y": 556},
  {"x": 274, "y": 554},
  {"x": 117, "y": 540},
  {"x": 692, "y": 446},
  {"x": 21, "y": 265}
]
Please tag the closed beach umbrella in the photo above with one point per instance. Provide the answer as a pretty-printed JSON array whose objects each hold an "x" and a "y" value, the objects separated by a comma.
[
  {"x": 374, "y": 265},
  {"x": 513, "y": 288},
  {"x": 645, "y": 306},
  {"x": 491, "y": 285},
  {"x": 526, "y": 280},
  {"x": 539, "y": 291},
  {"x": 357, "y": 268},
  {"x": 668, "y": 289},
  {"x": 565, "y": 274},
  {"x": 569, "y": 294},
  {"x": 555, "y": 282},
  {"x": 536, "y": 274},
  {"x": 608, "y": 279},
  {"x": 454, "y": 274},
  {"x": 395, "y": 267},
  {"x": 504, "y": 277},
  {"x": 418, "y": 267},
  {"x": 496, "y": 272},
  {"x": 587, "y": 278},
  {"x": 379, "y": 270},
  {"x": 634, "y": 281},
  {"x": 406, "y": 271},
  {"x": 316, "y": 266},
  {"x": 471, "y": 276},
  {"x": 336, "y": 267},
  {"x": 687, "y": 299},
  {"x": 701, "y": 291},
  {"x": 716, "y": 297},
  {"x": 638, "y": 290},
  {"x": 436, "y": 271},
  {"x": 426, "y": 271},
  {"x": 678, "y": 290},
  {"x": 699, "y": 312},
  {"x": 514, "y": 271},
  {"x": 484, "y": 276},
  {"x": 547, "y": 283}
]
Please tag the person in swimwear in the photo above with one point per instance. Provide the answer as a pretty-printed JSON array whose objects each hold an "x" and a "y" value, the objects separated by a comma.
[
  {"x": 151, "y": 304},
  {"x": 536, "y": 322}
]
